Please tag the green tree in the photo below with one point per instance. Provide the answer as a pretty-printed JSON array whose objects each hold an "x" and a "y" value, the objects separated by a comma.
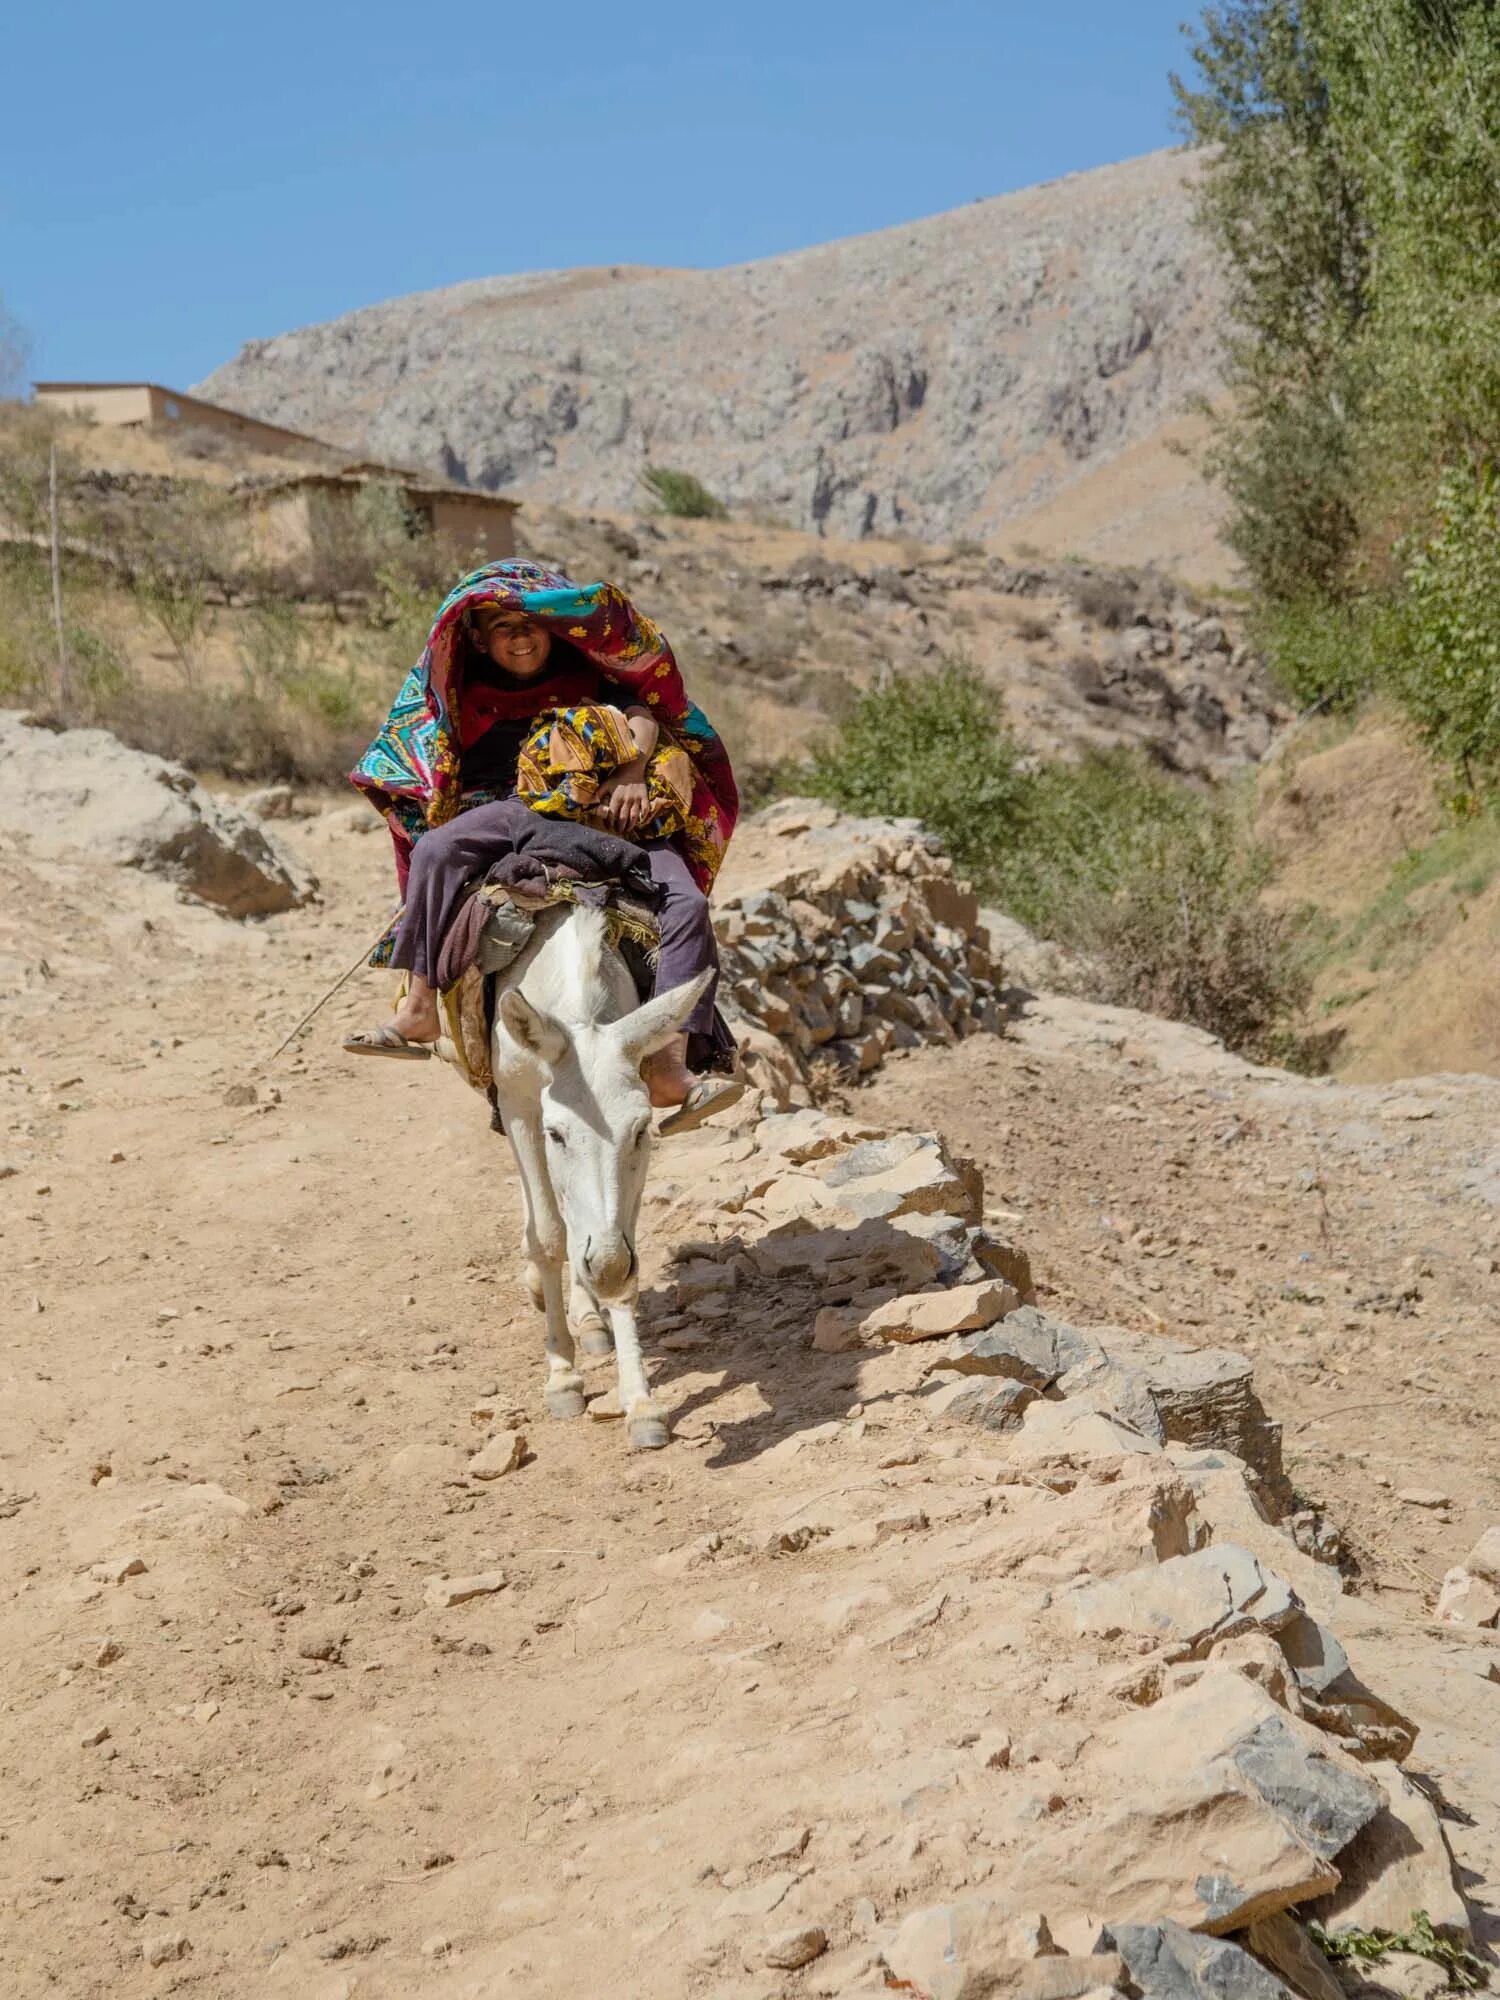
[{"x": 1280, "y": 204}]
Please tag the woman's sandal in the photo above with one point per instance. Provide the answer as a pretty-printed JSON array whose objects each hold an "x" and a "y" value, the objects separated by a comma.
[
  {"x": 387, "y": 1041},
  {"x": 709, "y": 1095}
]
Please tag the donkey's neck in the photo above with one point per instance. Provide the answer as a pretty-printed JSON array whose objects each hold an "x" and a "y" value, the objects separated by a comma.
[{"x": 577, "y": 976}]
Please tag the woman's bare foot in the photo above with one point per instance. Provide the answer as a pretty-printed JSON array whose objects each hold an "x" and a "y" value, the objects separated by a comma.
[
  {"x": 667, "y": 1075},
  {"x": 416, "y": 1019}
]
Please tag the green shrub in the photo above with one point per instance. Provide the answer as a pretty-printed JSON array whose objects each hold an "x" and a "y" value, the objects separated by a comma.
[
  {"x": 929, "y": 746},
  {"x": 682, "y": 494},
  {"x": 1156, "y": 887},
  {"x": 1445, "y": 665},
  {"x": 1326, "y": 653}
]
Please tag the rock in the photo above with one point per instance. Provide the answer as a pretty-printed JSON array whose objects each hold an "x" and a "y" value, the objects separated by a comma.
[
  {"x": 92, "y": 1738},
  {"x": 270, "y": 802},
  {"x": 1000, "y": 1258},
  {"x": 991, "y": 1404},
  {"x": 1065, "y": 1436},
  {"x": 700, "y": 1280},
  {"x": 1398, "y": 1863},
  {"x": 238, "y": 1095},
  {"x": 502, "y": 1453},
  {"x": 1187, "y": 1603},
  {"x": 962, "y": 1950},
  {"x": 1314, "y": 1655},
  {"x": 115, "y": 1569},
  {"x": 165, "y": 1948},
  {"x": 1226, "y": 1499},
  {"x": 838, "y": 1330},
  {"x": 1204, "y": 1397},
  {"x": 1026, "y": 1345},
  {"x": 1164, "y": 1961},
  {"x": 322, "y": 1643},
  {"x": 1144, "y": 1514},
  {"x": 993, "y": 1749},
  {"x": 81, "y": 792},
  {"x": 1466, "y": 1599},
  {"x": 1333, "y": 1696},
  {"x": 1483, "y": 1560},
  {"x": 1471, "y": 1590},
  {"x": 1423, "y": 1496},
  {"x": 443, "y": 1592},
  {"x": 931, "y": 1315},
  {"x": 1281, "y": 1943},
  {"x": 788, "y": 1951},
  {"x": 1210, "y": 1807}
]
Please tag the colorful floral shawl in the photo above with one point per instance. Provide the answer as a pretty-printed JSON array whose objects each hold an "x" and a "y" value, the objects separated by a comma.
[{"x": 411, "y": 771}]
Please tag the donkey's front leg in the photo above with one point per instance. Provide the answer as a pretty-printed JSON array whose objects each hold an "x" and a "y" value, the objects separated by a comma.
[
  {"x": 645, "y": 1420},
  {"x": 546, "y": 1251}
]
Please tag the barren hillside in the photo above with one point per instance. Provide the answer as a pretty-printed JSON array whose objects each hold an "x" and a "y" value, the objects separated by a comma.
[{"x": 945, "y": 377}]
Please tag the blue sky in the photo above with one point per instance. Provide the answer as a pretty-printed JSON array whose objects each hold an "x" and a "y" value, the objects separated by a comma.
[{"x": 177, "y": 179}]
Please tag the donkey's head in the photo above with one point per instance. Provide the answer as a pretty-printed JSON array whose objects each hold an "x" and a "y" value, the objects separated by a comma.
[{"x": 596, "y": 1122}]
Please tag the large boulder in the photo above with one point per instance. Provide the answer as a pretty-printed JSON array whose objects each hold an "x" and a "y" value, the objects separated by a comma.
[{"x": 81, "y": 793}]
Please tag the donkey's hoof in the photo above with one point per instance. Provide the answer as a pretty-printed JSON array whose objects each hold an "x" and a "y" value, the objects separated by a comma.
[
  {"x": 594, "y": 1337},
  {"x": 647, "y": 1431},
  {"x": 564, "y": 1399}
]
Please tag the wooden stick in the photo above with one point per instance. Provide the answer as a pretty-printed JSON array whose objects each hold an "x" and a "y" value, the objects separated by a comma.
[
  {"x": 318, "y": 1006},
  {"x": 64, "y": 677}
]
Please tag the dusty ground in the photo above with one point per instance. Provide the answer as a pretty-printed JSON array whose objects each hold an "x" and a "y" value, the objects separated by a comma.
[{"x": 247, "y": 1345}]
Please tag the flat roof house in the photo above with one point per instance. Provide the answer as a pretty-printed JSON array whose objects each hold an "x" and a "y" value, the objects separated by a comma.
[
  {"x": 299, "y": 523},
  {"x": 302, "y": 521},
  {"x": 151, "y": 407}
]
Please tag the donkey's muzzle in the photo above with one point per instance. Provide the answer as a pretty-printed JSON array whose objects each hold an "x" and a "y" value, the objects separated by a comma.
[{"x": 609, "y": 1265}]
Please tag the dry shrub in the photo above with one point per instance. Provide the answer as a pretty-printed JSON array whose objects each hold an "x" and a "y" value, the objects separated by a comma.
[
  {"x": 1109, "y": 601},
  {"x": 241, "y": 735}
]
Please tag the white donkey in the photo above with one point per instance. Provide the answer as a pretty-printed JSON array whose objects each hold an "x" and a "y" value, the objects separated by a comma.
[{"x": 568, "y": 1044}]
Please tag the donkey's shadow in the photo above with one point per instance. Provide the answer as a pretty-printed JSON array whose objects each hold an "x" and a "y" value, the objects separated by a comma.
[{"x": 764, "y": 1342}]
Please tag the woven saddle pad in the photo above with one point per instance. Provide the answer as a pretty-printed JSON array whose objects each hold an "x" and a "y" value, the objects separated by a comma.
[{"x": 507, "y": 931}]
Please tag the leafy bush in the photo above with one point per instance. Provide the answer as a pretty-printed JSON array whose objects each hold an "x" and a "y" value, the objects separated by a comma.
[
  {"x": 929, "y": 746},
  {"x": 682, "y": 494},
  {"x": 1445, "y": 667},
  {"x": 1155, "y": 886},
  {"x": 1326, "y": 653},
  {"x": 1466, "y": 1971}
]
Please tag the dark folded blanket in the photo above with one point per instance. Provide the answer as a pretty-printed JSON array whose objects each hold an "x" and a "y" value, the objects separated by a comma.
[{"x": 543, "y": 853}]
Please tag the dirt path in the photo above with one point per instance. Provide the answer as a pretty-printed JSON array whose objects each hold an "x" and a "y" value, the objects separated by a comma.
[{"x": 248, "y": 1347}]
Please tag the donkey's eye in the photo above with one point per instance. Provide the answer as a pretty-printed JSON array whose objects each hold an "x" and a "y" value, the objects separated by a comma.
[
  {"x": 555, "y": 1137},
  {"x": 642, "y": 1133}
]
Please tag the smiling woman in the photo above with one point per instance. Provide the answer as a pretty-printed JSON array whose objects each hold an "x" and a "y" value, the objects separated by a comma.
[{"x": 513, "y": 644}]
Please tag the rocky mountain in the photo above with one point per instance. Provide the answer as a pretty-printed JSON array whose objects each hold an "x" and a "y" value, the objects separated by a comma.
[{"x": 942, "y": 378}]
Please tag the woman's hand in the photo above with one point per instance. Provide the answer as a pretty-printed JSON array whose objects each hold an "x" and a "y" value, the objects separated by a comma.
[{"x": 623, "y": 799}]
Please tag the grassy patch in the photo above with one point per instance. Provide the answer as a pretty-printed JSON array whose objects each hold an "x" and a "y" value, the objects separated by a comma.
[
  {"x": 1414, "y": 905},
  {"x": 682, "y": 494}
]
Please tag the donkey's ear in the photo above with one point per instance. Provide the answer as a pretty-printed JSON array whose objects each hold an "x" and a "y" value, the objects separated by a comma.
[
  {"x": 651, "y": 1027},
  {"x": 537, "y": 1033}
]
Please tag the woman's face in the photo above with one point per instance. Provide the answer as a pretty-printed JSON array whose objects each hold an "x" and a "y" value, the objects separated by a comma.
[{"x": 512, "y": 640}]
